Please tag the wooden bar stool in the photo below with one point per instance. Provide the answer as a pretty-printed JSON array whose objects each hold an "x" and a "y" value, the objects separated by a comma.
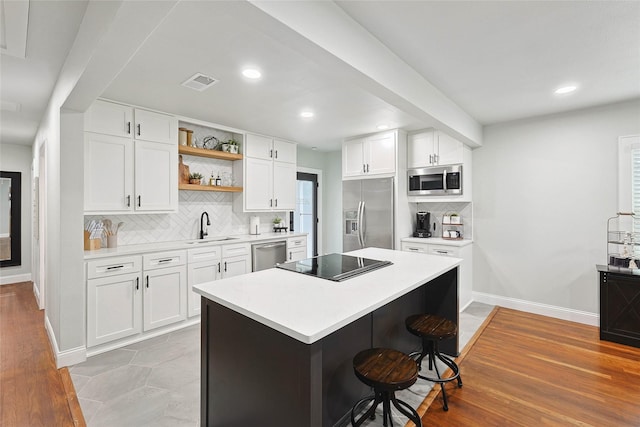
[
  {"x": 432, "y": 329},
  {"x": 387, "y": 371}
]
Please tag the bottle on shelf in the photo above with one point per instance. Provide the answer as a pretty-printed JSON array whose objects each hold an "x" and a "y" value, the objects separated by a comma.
[
  {"x": 212, "y": 180},
  {"x": 218, "y": 181}
]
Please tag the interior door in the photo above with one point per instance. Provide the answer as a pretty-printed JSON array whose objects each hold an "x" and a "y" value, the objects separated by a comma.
[{"x": 306, "y": 214}]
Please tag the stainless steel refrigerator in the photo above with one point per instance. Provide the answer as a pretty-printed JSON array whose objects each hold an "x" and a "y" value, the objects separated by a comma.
[{"x": 367, "y": 214}]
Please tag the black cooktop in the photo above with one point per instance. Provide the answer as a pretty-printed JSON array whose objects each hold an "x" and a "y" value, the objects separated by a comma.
[{"x": 336, "y": 267}]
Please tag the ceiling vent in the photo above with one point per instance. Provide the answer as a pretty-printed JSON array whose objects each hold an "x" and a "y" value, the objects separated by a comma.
[{"x": 199, "y": 82}]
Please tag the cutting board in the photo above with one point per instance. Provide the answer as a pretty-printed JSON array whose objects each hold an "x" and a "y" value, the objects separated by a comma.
[{"x": 183, "y": 172}]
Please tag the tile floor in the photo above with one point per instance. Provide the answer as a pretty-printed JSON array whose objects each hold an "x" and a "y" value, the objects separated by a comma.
[{"x": 157, "y": 382}]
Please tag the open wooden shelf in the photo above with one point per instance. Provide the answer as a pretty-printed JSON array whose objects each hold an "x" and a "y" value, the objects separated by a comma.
[
  {"x": 203, "y": 152},
  {"x": 196, "y": 187}
]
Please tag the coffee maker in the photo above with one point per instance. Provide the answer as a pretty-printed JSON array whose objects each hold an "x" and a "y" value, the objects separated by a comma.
[{"x": 423, "y": 224}]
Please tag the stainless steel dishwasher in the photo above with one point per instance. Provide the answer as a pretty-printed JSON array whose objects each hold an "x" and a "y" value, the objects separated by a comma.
[{"x": 266, "y": 255}]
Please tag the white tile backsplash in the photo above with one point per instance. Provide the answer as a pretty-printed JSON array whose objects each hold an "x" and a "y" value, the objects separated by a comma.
[
  {"x": 185, "y": 224},
  {"x": 438, "y": 210}
]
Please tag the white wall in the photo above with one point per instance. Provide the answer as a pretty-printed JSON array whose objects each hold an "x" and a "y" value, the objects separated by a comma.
[
  {"x": 543, "y": 190},
  {"x": 17, "y": 158},
  {"x": 333, "y": 202}
]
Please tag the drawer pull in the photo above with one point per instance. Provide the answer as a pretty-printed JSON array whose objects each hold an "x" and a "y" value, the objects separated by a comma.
[
  {"x": 443, "y": 252},
  {"x": 160, "y": 261},
  {"x": 115, "y": 267},
  {"x": 414, "y": 249}
]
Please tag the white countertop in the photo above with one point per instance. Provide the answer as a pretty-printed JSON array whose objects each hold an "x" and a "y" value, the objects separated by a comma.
[
  {"x": 308, "y": 308},
  {"x": 188, "y": 244},
  {"x": 438, "y": 241}
]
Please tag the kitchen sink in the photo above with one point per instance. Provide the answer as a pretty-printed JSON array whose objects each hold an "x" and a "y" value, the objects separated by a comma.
[{"x": 213, "y": 239}]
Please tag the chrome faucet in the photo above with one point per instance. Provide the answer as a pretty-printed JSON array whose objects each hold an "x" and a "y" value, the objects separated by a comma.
[{"x": 203, "y": 230}]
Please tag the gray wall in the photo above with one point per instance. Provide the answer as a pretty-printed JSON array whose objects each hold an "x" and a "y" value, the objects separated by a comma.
[
  {"x": 543, "y": 190},
  {"x": 17, "y": 158}
]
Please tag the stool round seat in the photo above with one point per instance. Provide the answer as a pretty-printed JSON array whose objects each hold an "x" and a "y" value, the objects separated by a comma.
[
  {"x": 386, "y": 371},
  {"x": 431, "y": 327}
]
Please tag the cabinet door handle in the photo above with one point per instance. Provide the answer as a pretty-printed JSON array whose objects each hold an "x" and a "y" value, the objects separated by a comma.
[
  {"x": 435, "y": 159},
  {"x": 147, "y": 281},
  {"x": 271, "y": 153},
  {"x": 129, "y": 201},
  {"x": 364, "y": 168},
  {"x": 270, "y": 203},
  {"x": 138, "y": 129},
  {"x": 276, "y": 154},
  {"x": 137, "y": 283},
  {"x": 276, "y": 203},
  {"x": 430, "y": 159},
  {"x": 139, "y": 201},
  {"x": 290, "y": 256},
  {"x": 115, "y": 267},
  {"x": 218, "y": 267},
  {"x": 225, "y": 266},
  {"x": 367, "y": 167},
  {"x": 128, "y": 128}
]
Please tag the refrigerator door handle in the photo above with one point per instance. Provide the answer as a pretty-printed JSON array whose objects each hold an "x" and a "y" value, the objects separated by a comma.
[
  {"x": 359, "y": 222},
  {"x": 361, "y": 225}
]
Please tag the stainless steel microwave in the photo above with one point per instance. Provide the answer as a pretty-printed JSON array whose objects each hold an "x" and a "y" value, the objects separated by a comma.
[{"x": 435, "y": 181}]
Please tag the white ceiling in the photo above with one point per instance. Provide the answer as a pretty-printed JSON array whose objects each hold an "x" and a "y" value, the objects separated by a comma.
[
  {"x": 26, "y": 82},
  {"x": 498, "y": 61}
]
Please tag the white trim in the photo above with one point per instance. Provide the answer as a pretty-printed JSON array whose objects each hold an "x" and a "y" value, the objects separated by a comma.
[
  {"x": 464, "y": 307},
  {"x": 36, "y": 293},
  {"x": 16, "y": 278},
  {"x": 584, "y": 317},
  {"x": 64, "y": 358},
  {"x": 317, "y": 172}
]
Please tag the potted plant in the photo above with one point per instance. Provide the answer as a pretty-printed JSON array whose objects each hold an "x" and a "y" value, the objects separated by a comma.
[
  {"x": 455, "y": 219},
  {"x": 231, "y": 146},
  {"x": 277, "y": 222},
  {"x": 195, "y": 178}
]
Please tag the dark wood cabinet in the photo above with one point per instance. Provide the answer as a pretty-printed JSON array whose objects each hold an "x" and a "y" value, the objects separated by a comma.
[{"x": 619, "y": 305}]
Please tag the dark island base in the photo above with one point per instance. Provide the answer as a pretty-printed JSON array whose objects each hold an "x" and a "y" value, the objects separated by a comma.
[{"x": 253, "y": 375}]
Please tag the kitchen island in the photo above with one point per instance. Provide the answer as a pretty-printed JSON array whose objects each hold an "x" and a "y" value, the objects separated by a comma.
[{"x": 277, "y": 346}]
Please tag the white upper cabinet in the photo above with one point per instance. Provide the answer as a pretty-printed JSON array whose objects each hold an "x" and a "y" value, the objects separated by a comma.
[
  {"x": 372, "y": 156},
  {"x": 130, "y": 160},
  {"x": 109, "y": 118},
  {"x": 268, "y": 175},
  {"x": 151, "y": 126},
  {"x": 156, "y": 175},
  {"x": 432, "y": 148},
  {"x": 108, "y": 165}
]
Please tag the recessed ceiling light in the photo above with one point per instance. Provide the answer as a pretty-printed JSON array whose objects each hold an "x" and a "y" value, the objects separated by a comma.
[
  {"x": 565, "y": 89},
  {"x": 307, "y": 114},
  {"x": 251, "y": 73},
  {"x": 382, "y": 127}
]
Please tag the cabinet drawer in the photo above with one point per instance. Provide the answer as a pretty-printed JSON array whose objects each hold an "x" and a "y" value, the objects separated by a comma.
[
  {"x": 444, "y": 250},
  {"x": 210, "y": 253},
  {"x": 164, "y": 259},
  {"x": 113, "y": 266},
  {"x": 414, "y": 247},
  {"x": 296, "y": 242},
  {"x": 235, "y": 250}
]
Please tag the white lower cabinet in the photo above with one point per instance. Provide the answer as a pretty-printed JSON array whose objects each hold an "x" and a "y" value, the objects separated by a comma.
[
  {"x": 296, "y": 248},
  {"x": 130, "y": 295},
  {"x": 236, "y": 260},
  {"x": 465, "y": 287},
  {"x": 114, "y": 299}
]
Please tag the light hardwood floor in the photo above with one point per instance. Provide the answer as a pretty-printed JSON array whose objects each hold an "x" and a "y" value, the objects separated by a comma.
[
  {"x": 530, "y": 370},
  {"x": 32, "y": 391},
  {"x": 520, "y": 370}
]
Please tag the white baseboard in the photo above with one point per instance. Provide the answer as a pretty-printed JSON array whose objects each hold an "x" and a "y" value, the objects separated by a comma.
[
  {"x": 17, "y": 278},
  {"x": 67, "y": 357},
  {"x": 36, "y": 293},
  {"x": 584, "y": 317}
]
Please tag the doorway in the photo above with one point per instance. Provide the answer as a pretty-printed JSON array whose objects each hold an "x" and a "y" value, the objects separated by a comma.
[{"x": 306, "y": 218}]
